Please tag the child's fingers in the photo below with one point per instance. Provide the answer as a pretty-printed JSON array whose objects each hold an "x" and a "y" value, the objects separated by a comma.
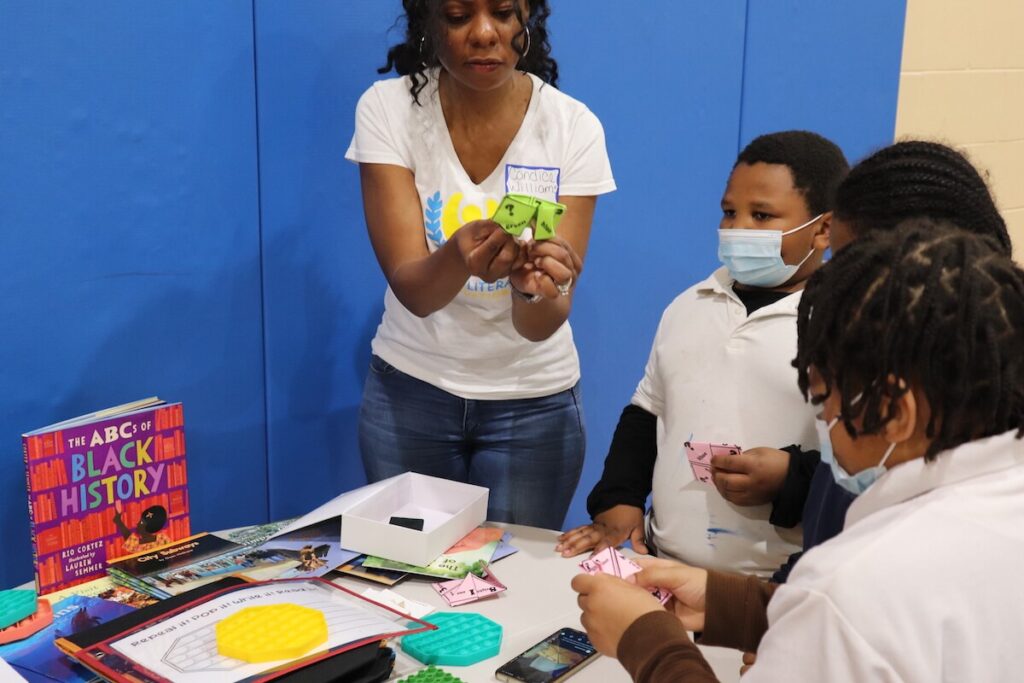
[
  {"x": 578, "y": 540},
  {"x": 636, "y": 539},
  {"x": 740, "y": 463},
  {"x": 649, "y": 562},
  {"x": 571, "y": 533},
  {"x": 732, "y": 482}
]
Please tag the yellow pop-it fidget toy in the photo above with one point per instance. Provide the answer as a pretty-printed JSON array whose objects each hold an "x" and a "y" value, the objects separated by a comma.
[{"x": 272, "y": 632}]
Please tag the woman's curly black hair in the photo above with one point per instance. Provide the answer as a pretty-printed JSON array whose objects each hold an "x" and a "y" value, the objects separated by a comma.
[
  {"x": 424, "y": 32},
  {"x": 918, "y": 178},
  {"x": 932, "y": 305}
]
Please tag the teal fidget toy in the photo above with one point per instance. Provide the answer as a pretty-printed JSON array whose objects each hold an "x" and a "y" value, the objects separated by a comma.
[
  {"x": 431, "y": 675},
  {"x": 461, "y": 639},
  {"x": 16, "y": 605}
]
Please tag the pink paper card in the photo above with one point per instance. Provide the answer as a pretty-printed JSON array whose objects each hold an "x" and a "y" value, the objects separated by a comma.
[
  {"x": 699, "y": 453},
  {"x": 611, "y": 561},
  {"x": 470, "y": 589}
]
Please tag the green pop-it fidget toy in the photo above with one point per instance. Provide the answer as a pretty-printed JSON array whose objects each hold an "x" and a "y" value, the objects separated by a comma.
[
  {"x": 461, "y": 639},
  {"x": 16, "y": 605},
  {"x": 432, "y": 675}
]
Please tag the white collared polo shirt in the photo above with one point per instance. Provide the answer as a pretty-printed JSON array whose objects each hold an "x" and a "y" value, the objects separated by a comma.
[{"x": 716, "y": 374}]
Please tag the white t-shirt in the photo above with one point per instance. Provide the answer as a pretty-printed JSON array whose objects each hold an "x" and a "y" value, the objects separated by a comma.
[
  {"x": 470, "y": 347},
  {"x": 716, "y": 374},
  {"x": 922, "y": 585}
]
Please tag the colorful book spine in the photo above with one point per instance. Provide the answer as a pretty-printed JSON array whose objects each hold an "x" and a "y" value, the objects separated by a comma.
[{"x": 103, "y": 489}]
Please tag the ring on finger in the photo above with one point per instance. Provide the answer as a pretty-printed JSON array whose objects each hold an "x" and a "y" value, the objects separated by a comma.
[{"x": 563, "y": 288}]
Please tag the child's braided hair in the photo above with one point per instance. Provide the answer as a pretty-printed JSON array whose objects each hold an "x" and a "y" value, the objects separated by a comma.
[
  {"x": 917, "y": 178},
  {"x": 925, "y": 305}
]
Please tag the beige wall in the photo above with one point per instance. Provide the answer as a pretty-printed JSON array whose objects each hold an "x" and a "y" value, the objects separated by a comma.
[{"x": 962, "y": 83}]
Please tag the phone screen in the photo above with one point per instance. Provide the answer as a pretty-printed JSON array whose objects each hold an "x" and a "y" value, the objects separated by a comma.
[{"x": 551, "y": 659}]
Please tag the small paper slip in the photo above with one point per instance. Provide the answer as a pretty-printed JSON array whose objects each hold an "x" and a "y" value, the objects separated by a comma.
[
  {"x": 395, "y": 601},
  {"x": 699, "y": 454},
  {"x": 504, "y": 549},
  {"x": 611, "y": 561},
  {"x": 470, "y": 589}
]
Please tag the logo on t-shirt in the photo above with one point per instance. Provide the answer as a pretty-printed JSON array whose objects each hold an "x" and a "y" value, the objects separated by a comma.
[
  {"x": 537, "y": 181},
  {"x": 442, "y": 217}
]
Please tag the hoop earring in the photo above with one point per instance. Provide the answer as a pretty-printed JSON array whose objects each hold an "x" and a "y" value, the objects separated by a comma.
[
  {"x": 422, "y": 40},
  {"x": 526, "y": 50}
]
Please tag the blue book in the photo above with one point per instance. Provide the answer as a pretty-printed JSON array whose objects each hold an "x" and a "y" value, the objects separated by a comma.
[{"x": 38, "y": 659}]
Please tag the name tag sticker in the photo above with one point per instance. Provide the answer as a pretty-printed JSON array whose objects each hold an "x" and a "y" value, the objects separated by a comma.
[{"x": 537, "y": 181}]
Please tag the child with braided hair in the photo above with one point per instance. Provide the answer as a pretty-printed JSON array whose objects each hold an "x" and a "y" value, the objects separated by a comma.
[
  {"x": 910, "y": 345},
  {"x": 913, "y": 178}
]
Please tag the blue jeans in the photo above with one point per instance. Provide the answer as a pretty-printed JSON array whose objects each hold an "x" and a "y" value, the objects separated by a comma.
[{"x": 528, "y": 452}]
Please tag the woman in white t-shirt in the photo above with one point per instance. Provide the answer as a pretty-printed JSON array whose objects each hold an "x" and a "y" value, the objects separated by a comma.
[{"x": 474, "y": 374}]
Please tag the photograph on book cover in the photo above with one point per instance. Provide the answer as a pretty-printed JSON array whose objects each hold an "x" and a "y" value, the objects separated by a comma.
[
  {"x": 303, "y": 553},
  {"x": 182, "y": 647}
]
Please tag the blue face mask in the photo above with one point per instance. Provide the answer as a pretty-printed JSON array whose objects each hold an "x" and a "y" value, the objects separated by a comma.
[
  {"x": 754, "y": 257},
  {"x": 854, "y": 483}
]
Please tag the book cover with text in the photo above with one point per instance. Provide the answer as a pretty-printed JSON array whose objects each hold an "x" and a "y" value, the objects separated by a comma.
[{"x": 104, "y": 485}]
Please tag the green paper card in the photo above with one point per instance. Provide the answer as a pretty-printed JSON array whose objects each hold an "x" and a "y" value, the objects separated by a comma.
[{"x": 516, "y": 212}]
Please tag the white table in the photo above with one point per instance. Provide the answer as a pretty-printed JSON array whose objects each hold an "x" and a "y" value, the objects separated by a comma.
[{"x": 537, "y": 603}]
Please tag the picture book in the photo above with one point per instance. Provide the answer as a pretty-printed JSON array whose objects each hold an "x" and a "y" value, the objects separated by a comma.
[
  {"x": 105, "y": 589},
  {"x": 104, "y": 485},
  {"x": 307, "y": 552},
  {"x": 383, "y": 576},
  {"x": 257, "y": 533},
  {"x": 36, "y": 658},
  {"x": 177, "y": 567},
  {"x": 471, "y": 554}
]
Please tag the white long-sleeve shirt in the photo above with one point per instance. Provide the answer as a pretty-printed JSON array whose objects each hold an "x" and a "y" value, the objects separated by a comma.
[{"x": 922, "y": 585}]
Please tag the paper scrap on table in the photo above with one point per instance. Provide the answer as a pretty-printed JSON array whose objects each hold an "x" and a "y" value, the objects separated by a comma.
[
  {"x": 504, "y": 549},
  {"x": 470, "y": 589},
  {"x": 470, "y": 555},
  {"x": 398, "y": 602},
  {"x": 611, "y": 561},
  {"x": 699, "y": 454}
]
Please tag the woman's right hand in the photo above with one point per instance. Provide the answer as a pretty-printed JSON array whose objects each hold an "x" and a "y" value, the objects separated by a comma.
[
  {"x": 688, "y": 585},
  {"x": 610, "y": 528},
  {"x": 488, "y": 252}
]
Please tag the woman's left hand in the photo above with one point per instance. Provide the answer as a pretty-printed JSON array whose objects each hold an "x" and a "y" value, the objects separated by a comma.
[{"x": 551, "y": 269}]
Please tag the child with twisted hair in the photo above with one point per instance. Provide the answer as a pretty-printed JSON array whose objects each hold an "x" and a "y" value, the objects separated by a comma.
[{"x": 910, "y": 347}]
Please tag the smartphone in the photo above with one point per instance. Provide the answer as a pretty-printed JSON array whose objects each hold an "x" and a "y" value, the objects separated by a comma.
[{"x": 555, "y": 658}]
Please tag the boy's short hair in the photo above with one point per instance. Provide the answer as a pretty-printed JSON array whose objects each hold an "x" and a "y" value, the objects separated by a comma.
[{"x": 815, "y": 162}]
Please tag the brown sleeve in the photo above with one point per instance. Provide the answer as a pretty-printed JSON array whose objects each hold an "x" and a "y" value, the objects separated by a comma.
[
  {"x": 736, "y": 613},
  {"x": 656, "y": 649}
]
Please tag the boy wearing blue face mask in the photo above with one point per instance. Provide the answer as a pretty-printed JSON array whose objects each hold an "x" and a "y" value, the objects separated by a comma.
[{"x": 719, "y": 370}]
